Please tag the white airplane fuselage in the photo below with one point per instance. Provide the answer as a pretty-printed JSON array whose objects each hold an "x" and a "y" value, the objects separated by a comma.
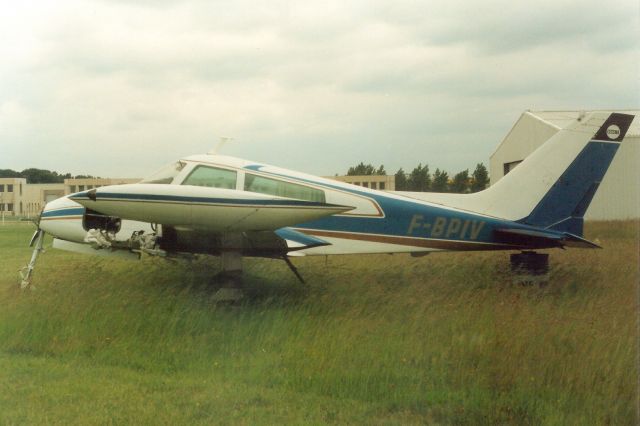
[{"x": 211, "y": 204}]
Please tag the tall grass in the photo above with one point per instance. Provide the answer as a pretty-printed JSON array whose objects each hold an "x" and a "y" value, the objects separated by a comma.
[{"x": 371, "y": 339}]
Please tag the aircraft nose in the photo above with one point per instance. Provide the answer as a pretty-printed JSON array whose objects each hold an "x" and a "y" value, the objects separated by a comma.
[{"x": 62, "y": 218}]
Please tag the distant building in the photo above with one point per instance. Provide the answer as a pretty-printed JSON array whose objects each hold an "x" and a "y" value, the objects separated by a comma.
[
  {"x": 383, "y": 183},
  {"x": 618, "y": 196},
  {"x": 19, "y": 198},
  {"x": 11, "y": 193},
  {"x": 36, "y": 195},
  {"x": 77, "y": 185}
]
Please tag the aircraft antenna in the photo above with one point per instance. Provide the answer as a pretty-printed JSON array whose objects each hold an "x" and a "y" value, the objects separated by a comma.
[{"x": 223, "y": 140}]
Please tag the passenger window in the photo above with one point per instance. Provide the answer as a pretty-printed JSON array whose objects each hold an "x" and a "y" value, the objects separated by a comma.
[
  {"x": 279, "y": 188},
  {"x": 212, "y": 177}
]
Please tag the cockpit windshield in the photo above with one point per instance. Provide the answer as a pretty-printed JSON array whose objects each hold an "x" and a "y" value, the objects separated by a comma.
[{"x": 165, "y": 174}]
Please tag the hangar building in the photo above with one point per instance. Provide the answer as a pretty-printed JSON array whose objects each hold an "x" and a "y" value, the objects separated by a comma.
[{"x": 618, "y": 196}]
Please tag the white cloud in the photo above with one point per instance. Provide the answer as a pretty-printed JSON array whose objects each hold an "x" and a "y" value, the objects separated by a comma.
[{"x": 117, "y": 87}]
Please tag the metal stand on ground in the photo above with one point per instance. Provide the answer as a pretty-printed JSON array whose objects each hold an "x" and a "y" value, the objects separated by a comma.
[
  {"x": 530, "y": 268},
  {"x": 231, "y": 274}
]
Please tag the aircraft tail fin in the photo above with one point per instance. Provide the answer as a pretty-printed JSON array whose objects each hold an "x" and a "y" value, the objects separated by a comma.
[
  {"x": 553, "y": 187},
  {"x": 563, "y": 206}
]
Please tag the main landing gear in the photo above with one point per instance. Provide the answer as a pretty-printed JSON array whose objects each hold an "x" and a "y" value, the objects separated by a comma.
[{"x": 530, "y": 268}]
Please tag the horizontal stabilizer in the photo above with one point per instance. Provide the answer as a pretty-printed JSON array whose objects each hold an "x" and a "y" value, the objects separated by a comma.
[
  {"x": 298, "y": 241},
  {"x": 575, "y": 241},
  {"x": 532, "y": 238}
]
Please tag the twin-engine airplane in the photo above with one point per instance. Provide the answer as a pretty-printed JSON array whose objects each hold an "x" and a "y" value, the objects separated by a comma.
[{"x": 229, "y": 207}]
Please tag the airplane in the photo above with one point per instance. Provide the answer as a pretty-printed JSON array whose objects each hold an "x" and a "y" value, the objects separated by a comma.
[{"x": 230, "y": 207}]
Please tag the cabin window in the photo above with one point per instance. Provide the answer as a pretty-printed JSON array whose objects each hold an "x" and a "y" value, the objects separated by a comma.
[
  {"x": 280, "y": 188},
  {"x": 212, "y": 177}
]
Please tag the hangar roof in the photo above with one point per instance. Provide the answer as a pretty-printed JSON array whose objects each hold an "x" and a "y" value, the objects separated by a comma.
[{"x": 561, "y": 119}]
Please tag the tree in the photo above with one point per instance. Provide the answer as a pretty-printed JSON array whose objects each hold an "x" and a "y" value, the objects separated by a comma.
[
  {"x": 34, "y": 175},
  {"x": 420, "y": 179},
  {"x": 366, "y": 170},
  {"x": 401, "y": 180},
  {"x": 480, "y": 178},
  {"x": 8, "y": 173},
  {"x": 361, "y": 169},
  {"x": 440, "y": 181},
  {"x": 460, "y": 182}
]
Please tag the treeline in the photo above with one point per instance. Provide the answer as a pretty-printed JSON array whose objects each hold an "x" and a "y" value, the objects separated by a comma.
[
  {"x": 420, "y": 178},
  {"x": 33, "y": 175}
]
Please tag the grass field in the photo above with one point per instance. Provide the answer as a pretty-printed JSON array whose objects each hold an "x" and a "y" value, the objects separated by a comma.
[{"x": 379, "y": 339}]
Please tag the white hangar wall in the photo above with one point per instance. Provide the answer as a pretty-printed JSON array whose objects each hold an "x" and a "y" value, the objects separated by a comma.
[{"x": 619, "y": 194}]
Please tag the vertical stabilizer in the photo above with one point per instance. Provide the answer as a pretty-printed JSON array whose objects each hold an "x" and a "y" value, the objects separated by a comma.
[
  {"x": 553, "y": 187},
  {"x": 563, "y": 206}
]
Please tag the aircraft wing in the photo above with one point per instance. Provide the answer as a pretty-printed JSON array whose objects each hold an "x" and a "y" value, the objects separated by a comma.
[{"x": 203, "y": 208}]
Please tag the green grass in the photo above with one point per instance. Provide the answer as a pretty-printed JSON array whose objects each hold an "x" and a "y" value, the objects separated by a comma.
[{"x": 378, "y": 339}]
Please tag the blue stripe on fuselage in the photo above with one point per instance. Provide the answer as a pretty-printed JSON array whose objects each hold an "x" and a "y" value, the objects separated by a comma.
[
  {"x": 73, "y": 211},
  {"x": 407, "y": 218}
]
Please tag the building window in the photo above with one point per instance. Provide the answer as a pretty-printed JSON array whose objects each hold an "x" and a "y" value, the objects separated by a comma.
[
  {"x": 1, "y": 188},
  {"x": 80, "y": 187},
  {"x": 9, "y": 207},
  {"x": 262, "y": 185},
  {"x": 381, "y": 186},
  {"x": 212, "y": 177},
  {"x": 356, "y": 183},
  {"x": 89, "y": 186},
  {"x": 374, "y": 185},
  {"x": 9, "y": 188},
  {"x": 507, "y": 167},
  {"x": 72, "y": 188},
  {"x": 365, "y": 184},
  {"x": 20, "y": 191}
]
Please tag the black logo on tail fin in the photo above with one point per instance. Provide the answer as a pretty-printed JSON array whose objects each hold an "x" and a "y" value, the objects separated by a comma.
[{"x": 615, "y": 127}]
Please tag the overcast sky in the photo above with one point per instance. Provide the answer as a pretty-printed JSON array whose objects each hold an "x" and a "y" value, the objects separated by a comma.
[{"x": 119, "y": 88}]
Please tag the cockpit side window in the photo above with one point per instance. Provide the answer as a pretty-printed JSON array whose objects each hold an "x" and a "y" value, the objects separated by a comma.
[
  {"x": 255, "y": 183},
  {"x": 212, "y": 177},
  {"x": 165, "y": 174}
]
